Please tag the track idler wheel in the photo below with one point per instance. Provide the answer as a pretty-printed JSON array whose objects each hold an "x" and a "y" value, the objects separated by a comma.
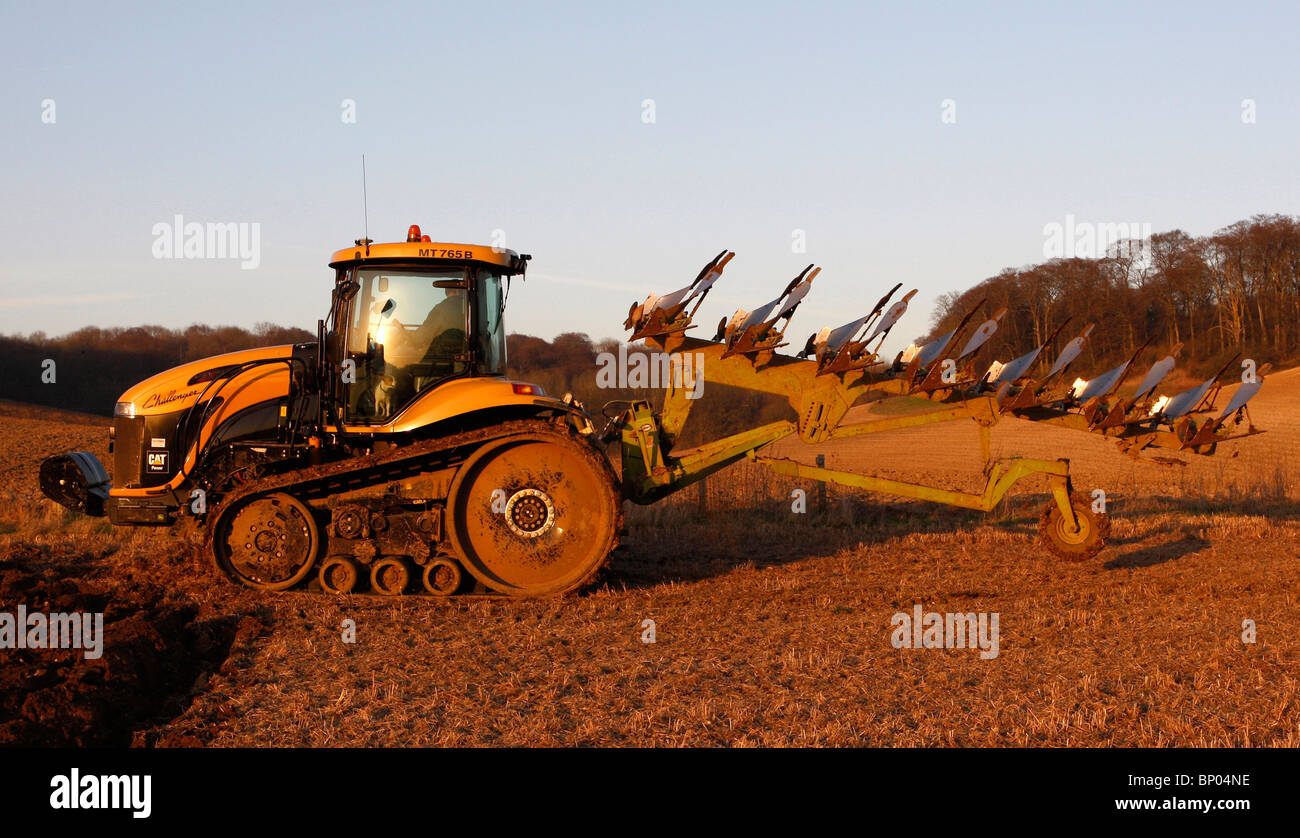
[
  {"x": 443, "y": 576},
  {"x": 338, "y": 575},
  {"x": 390, "y": 576},
  {"x": 1088, "y": 541},
  {"x": 266, "y": 542},
  {"x": 534, "y": 514}
]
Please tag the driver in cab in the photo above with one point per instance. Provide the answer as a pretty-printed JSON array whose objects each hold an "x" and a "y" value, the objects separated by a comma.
[{"x": 416, "y": 356}]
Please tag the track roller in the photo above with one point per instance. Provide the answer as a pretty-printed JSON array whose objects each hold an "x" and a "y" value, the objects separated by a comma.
[
  {"x": 443, "y": 576},
  {"x": 390, "y": 576},
  {"x": 338, "y": 575}
]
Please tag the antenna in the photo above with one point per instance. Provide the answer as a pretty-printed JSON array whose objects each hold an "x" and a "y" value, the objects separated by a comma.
[{"x": 365, "y": 204}]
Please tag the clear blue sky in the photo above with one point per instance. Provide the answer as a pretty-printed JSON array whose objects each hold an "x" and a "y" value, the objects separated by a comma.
[{"x": 528, "y": 118}]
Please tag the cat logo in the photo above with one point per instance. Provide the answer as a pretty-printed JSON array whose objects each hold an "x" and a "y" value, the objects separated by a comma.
[{"x": 157, "y": 462}]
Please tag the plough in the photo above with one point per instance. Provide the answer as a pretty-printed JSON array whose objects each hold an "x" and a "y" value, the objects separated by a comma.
[{"x": 839, "y": 367}]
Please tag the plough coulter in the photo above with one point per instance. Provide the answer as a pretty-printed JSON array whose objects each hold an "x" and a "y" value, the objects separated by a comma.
[{"x": 839, "y": 367}]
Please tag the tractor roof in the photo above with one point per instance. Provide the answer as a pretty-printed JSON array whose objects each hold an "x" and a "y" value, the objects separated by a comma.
[{"x": 419, "y": 248}]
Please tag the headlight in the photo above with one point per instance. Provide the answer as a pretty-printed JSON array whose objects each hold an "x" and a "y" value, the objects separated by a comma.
[{"x": 124, "y": 409}]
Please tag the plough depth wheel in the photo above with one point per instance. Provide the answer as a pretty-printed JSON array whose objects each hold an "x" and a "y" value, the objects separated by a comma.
[
  {"x": 1086, "y": 542},
  {"x": 534, "y": 514}
]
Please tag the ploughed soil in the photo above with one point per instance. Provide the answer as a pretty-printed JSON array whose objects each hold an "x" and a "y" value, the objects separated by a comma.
[
  {"x": 771, "y": 626},
  {"x": 157, "y": 656}
]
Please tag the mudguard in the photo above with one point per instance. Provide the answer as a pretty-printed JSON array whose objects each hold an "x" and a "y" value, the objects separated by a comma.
[{"x": 76, "y": 480}]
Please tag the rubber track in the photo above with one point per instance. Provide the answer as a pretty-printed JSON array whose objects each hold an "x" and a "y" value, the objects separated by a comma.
[{"x": 315, "y": 482}]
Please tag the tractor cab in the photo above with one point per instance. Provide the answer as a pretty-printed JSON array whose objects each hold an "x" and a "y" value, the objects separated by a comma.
[{"x": 412, "y": 315}]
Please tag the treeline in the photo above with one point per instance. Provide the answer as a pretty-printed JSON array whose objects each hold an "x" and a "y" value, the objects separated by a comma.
[
  {"x": 1237, "y": 290},
  {"x": 93, "y": 366}
]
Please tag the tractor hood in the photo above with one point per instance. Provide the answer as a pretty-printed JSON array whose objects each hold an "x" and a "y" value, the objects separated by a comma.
[{"x": 180, "y": 387}]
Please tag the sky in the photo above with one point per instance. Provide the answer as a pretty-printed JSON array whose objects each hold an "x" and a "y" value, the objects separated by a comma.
[{"x": 622, "y": 146}]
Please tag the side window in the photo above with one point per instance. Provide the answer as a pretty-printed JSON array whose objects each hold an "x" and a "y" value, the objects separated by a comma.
[{"x": 491, "y": 330}]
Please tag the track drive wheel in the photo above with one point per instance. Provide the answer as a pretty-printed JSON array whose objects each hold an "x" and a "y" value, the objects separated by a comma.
[
  {"x": 1094, "y": 528},
  {"x": 535, "y": 513},
  {"x": 267, "y": 542}
]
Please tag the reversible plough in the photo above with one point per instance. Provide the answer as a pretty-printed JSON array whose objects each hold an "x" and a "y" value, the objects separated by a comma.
[{"x": 839, "y": 367}]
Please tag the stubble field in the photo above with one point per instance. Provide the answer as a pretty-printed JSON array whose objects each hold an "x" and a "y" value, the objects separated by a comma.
[{"x": 771, "y": 627}]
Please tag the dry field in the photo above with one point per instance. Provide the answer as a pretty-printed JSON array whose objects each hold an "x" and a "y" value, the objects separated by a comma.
[{"x": 773, "y": 628}]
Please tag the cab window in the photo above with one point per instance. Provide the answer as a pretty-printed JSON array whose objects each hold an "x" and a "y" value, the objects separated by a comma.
[{"x": 407, "y": 333}]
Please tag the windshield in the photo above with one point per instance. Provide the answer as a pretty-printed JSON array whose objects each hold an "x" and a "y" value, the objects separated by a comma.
[{"x": 407, "y": 334}]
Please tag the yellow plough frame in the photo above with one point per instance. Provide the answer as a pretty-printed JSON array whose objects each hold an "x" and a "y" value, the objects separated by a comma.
[
  {"x": 821, "y": 391},
  {"x": 652, "y": 469}
]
